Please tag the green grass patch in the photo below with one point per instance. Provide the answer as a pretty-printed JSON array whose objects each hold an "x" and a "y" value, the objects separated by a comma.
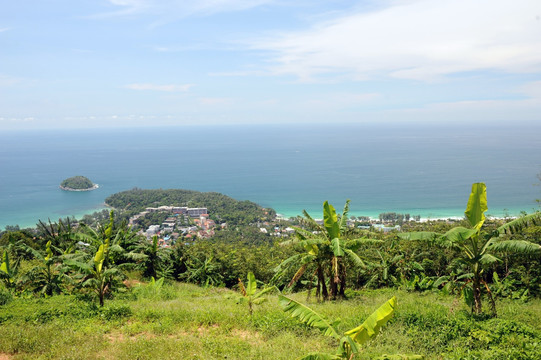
[{"x": 184, "y": 321}]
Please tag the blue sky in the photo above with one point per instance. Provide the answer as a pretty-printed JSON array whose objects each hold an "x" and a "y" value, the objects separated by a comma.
[{"x": 117, "y": 63}]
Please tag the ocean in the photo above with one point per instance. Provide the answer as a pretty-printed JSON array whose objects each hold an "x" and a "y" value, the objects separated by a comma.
[{"x": 422, "y": 170}]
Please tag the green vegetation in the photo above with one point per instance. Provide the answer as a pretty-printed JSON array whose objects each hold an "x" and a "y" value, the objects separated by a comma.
[
  {"x": 476, "y": 247},
  {"x": 88, "y": 290},
  {"x": 183, "y": 321},
  {"x": 221, "y": 208},
  {"x": 351, "y": 340},
  {"x": 77, "y": 183},
  {"x": 250, "y": 294},
  {"x": 325, "y": 253}
]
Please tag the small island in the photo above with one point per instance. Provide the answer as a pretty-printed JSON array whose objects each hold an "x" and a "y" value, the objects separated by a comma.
[{"x": 78, "y": 183}]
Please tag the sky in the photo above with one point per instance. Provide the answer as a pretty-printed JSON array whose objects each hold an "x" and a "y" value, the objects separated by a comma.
[{"x": 137, "y": 63}]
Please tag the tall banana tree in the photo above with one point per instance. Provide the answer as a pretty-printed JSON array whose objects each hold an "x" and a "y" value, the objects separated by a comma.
[
  {"x": 325, "y": 251},
  {"x": 152, "y": 258},
  {"x": 122, "y": 243},
  {"x": 351, "y": 341},
  {"x": 478, "y": 248},
  {"x": 98, "y": 276}
]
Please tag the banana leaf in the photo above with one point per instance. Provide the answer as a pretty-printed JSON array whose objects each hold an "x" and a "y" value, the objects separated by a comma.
[
  {"x": 308, "y": 316},
  {"x": 477, "y": 205},
  {"x": 373, "y": 324}
]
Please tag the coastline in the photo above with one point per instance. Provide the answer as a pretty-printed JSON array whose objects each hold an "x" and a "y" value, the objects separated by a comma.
[
  {"x": 425, "y": 214},
  {"x": 94, "y": 187}
]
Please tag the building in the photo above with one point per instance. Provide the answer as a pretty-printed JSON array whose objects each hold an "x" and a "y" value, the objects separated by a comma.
[
  {"x": 153, "y": 230},
  {"x": 197, "y": 212}
]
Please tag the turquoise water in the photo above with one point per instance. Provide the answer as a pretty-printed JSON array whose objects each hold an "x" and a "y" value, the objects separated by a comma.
[{"x": 425, "y": 170}]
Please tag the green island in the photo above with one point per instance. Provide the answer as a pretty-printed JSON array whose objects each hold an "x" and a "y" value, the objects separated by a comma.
[
  {"x": 181, "y": 274},
  {"x": 78, "y": 183}
]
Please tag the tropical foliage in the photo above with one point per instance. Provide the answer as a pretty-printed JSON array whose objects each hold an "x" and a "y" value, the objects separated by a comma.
[
  {"x": 104, "y": 259},
  {"x": 350, "y": 342},
  {"x": 221, "y": 207},
  {"x": 77, "y": 183},
  {"x": 478, "y": 249},
  {"x": 249, "y": 292},
  {"x": 327, "y": 252}
]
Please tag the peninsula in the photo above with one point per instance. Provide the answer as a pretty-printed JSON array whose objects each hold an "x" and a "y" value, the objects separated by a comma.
[{"x": 78, "y": 183}]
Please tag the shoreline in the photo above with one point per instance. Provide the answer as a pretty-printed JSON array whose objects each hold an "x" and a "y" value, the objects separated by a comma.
[
  {"x": 280, "y": 215},
  {"x": 94, "y": 187},
  {"x": 422, "y": 219}
]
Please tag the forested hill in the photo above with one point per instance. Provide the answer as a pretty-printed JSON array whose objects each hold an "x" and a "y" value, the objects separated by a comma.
[{"x": 220, "y": 207}]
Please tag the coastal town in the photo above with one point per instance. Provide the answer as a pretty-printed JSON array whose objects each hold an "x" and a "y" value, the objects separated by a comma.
[
  {"x": 190, "y": 224},
  {"x": 181, "y": 222}
]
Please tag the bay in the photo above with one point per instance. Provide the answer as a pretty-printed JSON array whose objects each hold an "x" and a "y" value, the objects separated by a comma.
[{"x": 419, "y": 169}]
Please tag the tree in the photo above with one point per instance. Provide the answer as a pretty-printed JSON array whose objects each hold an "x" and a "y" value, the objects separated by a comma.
[
  {"x": 100, "y": 274},
  {"x": 325, "y": 251},
  {"x": 96, "y": 275},
  {"x": 48, "y": 276},
  {"x": 477, "y": 248},
  {"x": 61, "y": 234},
  {"x": 203, "y": 272},
  {"x": 122, "y": 242},
  {"x": 152, "y": 257}
]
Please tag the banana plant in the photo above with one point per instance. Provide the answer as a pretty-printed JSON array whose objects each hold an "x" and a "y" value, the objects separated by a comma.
[
  {"x": 351, "y": 341},
  {"x": 250, "y": 294},
  {"x": 325, "y": 252},
  {"x": 7, "y": 272},
  {"x": 49, "y": 275},
  {"x": 478, "y": 248},
  {"x": 151, "y": 257},
  {"x": 203, "y": 272},
  {"x": 98, "y": 276},
  {"x": 61, "y": 234}
]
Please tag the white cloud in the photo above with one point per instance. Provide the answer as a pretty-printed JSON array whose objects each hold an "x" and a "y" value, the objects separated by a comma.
[
  {"x": 340, "y": 101},
  {"x": 4, "y": 29},
  {"x": 417, "y": 39},
  {"x": 494, "y": 110},
  {"x": 156, "y": 87},
  {"x": 183, "y": 8}
]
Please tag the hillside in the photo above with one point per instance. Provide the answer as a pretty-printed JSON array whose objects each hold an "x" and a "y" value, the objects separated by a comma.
[
  {"x": 220, "y": 207},
  {"x": 183, "y": 321}
]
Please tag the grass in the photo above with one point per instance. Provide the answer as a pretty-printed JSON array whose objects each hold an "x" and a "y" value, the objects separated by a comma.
[{"x": 182, "y": 321}]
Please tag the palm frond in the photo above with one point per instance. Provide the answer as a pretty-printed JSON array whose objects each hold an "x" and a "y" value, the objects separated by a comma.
[
  {"x": 344, "y": 217},
  {"x": 373, "y": 323},
  {"x": 307, "y": 316},
  {"x": 518, "y": 246},
  {"x": 357, "y": 261},
  {"x": 312, "y": 222},
  {"x": 488, "y": 259},
  {"x": 265, "y": 291},
  {"x": 336, "y": 246},
  {"x": 520, "y": 223},
  {"x": 460, "y": 234},
  {"x": 287, "y": 262}
]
